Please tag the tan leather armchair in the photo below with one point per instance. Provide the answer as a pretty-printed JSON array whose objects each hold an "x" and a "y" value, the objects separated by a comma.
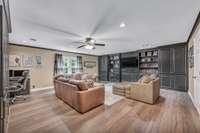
[{"x": 145, "y": 92}]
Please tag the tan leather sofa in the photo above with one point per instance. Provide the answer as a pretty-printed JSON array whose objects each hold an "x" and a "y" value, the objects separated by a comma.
[
  {"x": 77, "y": 94},
  {"x": 145, "y": 92}
]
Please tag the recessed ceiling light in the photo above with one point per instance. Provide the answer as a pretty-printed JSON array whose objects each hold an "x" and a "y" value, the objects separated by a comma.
[
  {"x": 24, "y": 41},
  {"x": 122, "y": 25}
]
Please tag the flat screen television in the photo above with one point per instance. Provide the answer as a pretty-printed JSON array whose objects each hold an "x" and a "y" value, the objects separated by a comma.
[{"x": 129, "y": 62}]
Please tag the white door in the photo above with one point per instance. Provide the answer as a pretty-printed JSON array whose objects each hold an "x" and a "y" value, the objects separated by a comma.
[{"x": 197, "y": 69}]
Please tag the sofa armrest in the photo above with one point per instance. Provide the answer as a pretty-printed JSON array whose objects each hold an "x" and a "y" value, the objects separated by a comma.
[{"x": 91, "y": 98}]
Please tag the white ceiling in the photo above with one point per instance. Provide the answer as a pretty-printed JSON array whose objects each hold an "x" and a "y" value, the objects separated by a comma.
[{"x": 57, "y": 23}]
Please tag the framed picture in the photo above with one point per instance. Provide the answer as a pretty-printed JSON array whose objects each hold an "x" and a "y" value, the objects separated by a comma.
[
  {"x": 38, "y": 60},
  {"x": 27, "y": 61},
  {"x": 14, "y": 60},
  {"x": 90, "y": 64},
  {"x": 191, "y": 57}
]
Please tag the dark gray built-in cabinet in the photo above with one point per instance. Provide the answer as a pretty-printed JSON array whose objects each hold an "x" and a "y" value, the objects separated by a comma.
[
  {"x": 173, "y": 67},
  {"x": 171, "y": 60}
]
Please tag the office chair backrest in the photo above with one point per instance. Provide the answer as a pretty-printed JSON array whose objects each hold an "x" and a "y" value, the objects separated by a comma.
[{"x": 24, "y": 82}]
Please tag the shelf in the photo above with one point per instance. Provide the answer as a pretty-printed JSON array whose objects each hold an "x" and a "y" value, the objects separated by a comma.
[
  {"x": 148, "y": 67},
  {"x": 148, "y": 56},
  {"x": 148, "y": 62}
]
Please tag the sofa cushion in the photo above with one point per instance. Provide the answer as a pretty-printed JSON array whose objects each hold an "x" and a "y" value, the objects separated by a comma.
[
  {"x": 58, "y": 76},
  {"x": 86, "y": 76},
  {"x": 63, "y": 79},
  {"x": 80, "y": 83}
]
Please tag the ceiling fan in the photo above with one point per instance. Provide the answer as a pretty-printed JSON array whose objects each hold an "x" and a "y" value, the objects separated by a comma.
[{"x": 89, "y": 43}]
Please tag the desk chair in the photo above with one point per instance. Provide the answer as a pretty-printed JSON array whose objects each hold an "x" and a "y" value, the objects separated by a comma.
[{"x": 16, "y": 87}]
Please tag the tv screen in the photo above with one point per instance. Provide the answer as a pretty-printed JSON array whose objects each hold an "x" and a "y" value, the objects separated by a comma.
[{"x": 129, "y": 62}]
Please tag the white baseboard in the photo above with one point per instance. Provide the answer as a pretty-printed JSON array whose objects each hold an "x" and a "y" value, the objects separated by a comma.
[
  {"x": 195, "y": 104},
  {"x": 40, "y": 89}
]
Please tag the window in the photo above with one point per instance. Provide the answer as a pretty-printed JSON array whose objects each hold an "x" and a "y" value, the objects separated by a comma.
[{"x": 72, "y": 64}]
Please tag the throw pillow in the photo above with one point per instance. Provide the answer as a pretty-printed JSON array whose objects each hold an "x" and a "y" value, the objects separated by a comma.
[
  {"x": 90, "y": 83},
  {"x": 77, "y": 76},
  {"x": 146, "y": 79},
  {"x": 142, "y": 78},
  {"x": 153, "y": 76}
]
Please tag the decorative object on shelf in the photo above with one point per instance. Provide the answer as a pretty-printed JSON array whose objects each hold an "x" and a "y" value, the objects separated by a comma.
[
  {"x": 155, "y": 53},
  {"x": 14, "y": 60},
  {"x": 90, "y": 64},
  {"x": 142, "y": 54},
  {"x": 38, "y": 60},
  {"x": 148, "y": 59},
  {"x": 149, "y": 53},
  {"x": 27, "y": 60}
]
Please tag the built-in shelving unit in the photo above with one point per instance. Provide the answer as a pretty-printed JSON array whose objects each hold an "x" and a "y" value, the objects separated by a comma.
[
  {"x": 114, "y": 68},
  {"x": 169, "y": 62},
  {"x": 148, "y": 61}
]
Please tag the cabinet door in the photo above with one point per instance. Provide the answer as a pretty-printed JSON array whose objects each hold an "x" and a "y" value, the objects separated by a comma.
[
  {"x": 179, "y": 60},
  {"x": 165, "y": 81},
  {"x": 103, "y": 63},
  {"x": 164, "y": 60},
  {"x": 103, "y": 68},
  {"x": 180, "y": 83}
]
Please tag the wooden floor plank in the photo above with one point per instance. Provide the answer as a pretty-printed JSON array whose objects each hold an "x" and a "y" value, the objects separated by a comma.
[{"x": 44, "y": 113}]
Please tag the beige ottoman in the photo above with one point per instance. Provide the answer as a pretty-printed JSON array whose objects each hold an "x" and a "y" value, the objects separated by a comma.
[{"x": 120, "y": 88}]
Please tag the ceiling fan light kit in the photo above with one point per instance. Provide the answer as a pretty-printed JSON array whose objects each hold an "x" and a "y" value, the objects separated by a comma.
[{"x": 90, "y": 44}]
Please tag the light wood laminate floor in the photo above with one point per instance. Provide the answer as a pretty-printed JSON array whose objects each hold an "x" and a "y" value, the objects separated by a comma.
[{"x": 44, "y": 113}]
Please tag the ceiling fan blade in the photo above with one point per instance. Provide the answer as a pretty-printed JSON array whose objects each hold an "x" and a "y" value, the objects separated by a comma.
[
  {"x": 81, "y": 46},
  {"x": 99, "y": 44},
  {"x": 116, "y": 39},
  {"x": 55, "y": 29},
  {"x": 77, "y": 42},
  {"x": 102, "y": 20}
]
